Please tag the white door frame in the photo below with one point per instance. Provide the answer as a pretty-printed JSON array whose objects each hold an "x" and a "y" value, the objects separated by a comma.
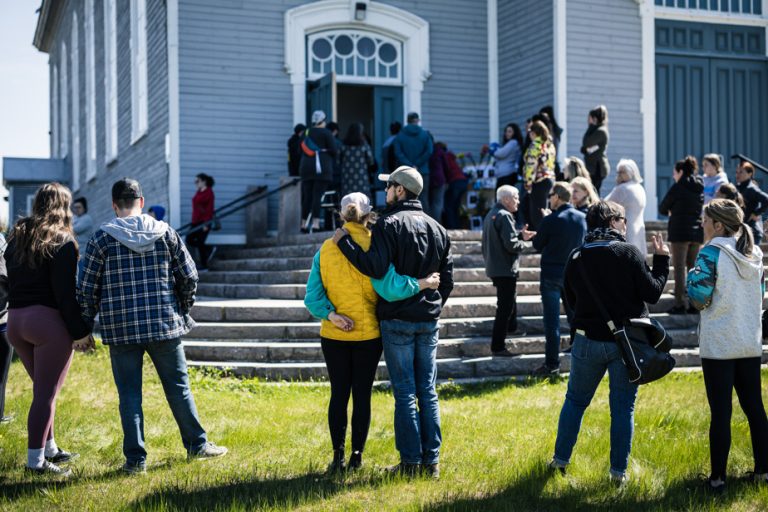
[{"x": 412, "y": 30}]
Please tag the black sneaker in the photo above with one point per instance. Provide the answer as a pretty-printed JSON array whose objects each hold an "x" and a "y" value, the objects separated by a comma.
[
  {"x": 692, "y": 311},
  {"x": 62, "y": 457},
  {"x": 355, "y": 461},
  {"x": 50, "y": 469},
  {"x": 404, "y": 469},
  {"x": 556, "y": 466},
  {"x": 134, "y": 468},
  {"x": 546, "y": 371},
  {"x": 502, "y": 353},
  {"x": 432, "y": 471},
  {"x": 337, "y": 465},
  {"x": 677, "y": 310}
]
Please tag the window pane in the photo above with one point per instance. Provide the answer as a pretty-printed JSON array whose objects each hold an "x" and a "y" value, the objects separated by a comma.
[
  {"x": 387, "y": 53},
  {"x": 372, "y": 67},
  {"x": 349, "y": 66},
  {"x": 393, "y": 71},
  {"x": 338, "y": 66},
  {"x": 366, "y": 47},
  {"x": 343, "y": 45},
  {"x": 321, "y": 48}
]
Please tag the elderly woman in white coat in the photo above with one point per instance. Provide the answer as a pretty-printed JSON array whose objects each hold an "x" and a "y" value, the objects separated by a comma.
[{"x": 630, "y": 194}]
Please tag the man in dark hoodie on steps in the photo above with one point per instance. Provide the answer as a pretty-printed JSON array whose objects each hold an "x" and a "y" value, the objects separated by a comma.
[
  {"x": 140, "y": 279},
  {"x": 413, "y": 147}
]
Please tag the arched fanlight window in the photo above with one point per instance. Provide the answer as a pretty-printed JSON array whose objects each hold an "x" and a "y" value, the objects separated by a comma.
[{"x": 355, "y": 56}]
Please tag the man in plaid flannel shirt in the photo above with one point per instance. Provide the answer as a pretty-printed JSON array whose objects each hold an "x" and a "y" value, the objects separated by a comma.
[{"x": 140, "y": 279}]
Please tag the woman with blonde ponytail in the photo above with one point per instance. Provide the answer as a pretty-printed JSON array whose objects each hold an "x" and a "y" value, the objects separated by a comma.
[
  {"x": 345, "y": 302},
  {"x": 726, "y": 285}
]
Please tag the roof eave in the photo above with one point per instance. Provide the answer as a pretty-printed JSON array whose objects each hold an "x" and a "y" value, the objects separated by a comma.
[{"x": 41, "y": 41}]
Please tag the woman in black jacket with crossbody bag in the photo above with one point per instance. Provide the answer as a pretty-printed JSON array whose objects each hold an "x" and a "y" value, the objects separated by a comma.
[{"x": 683, "y": 203}]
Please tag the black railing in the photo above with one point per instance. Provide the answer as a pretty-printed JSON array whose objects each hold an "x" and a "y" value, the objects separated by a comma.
[
  {"x": 238, "y": 204},
  {"x": 756, "y": 165}
]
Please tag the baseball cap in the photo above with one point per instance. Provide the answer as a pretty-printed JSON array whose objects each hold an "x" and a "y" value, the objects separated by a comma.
[
  {"x": 360, "y": 200},
  {"x": 406, "y": 176},
  {"x": 318, "y": 116},
  {"x": 126, "y": 188}
]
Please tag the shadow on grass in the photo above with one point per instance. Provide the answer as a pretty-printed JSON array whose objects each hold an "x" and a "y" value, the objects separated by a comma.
[
  {"x": 526, "y": 494},
  {"x": 41, "y": 485},
  {"x": 254, "y": 492},
  {"x": 453, "y": 391}
]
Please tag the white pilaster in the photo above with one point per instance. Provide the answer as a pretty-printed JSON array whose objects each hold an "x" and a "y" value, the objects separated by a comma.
[
  {"x": 648, "y": 105},
  {"x": 174, "y": 164},
  {"x": 560, "y": 73},
  {"x": 493, "y": 70}
]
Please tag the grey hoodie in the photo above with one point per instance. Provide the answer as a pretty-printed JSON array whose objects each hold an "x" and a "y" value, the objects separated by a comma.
[{"x": 138, "y": 232}]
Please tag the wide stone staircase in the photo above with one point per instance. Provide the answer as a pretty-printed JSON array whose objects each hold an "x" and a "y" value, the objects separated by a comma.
[{"x": 252, "y": 320}]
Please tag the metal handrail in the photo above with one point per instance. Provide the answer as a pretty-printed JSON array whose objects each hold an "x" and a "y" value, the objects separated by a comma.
[
  {"x": 756, "y": 165},
  {"x": 233, "y": 206}
]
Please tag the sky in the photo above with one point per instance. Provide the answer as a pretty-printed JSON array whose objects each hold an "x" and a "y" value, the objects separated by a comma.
[{"x": 23, "y": 85}]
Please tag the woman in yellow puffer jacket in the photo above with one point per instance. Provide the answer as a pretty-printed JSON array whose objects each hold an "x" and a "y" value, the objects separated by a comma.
[{"x": 351, "y": 340}]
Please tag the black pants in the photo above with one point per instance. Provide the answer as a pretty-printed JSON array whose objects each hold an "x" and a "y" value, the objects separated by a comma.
[
  {"x": 6, "y": 354},
  {"x": 597, "y": 181},
  {"x": 537, "y": 200},
  {"x": 197, "y": 239},
  {"x": 311, "y": 193},
  {"x": 351, "y": 368},
  {"x": 506, "y": 311},
  {"x": 720, "y": 377}
]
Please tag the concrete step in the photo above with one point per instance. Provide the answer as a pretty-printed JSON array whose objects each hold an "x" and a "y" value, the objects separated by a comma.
[
  {"x": 309, "y": 350},
  {"x": 318, "y": 238},
  {"x": 297, "y": 291},
  {"x": 299, "y": 331},
  {"x": 447, "y": 368},
  {"x": 266, "y": 310},
  {"x": 309, "y": 249}
]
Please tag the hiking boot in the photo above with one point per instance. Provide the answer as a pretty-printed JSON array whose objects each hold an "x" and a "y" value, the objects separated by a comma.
[
  {"x": 404, "y": 469},
  {"x": 134, "y": 468},
  {"x": 355, "y": 461},
  {"x": 208, "y": 451},
  {"x": 546, "y": 371},
  {"x": 432, "y": 470},
  {"x": 677, "y": 310},
  {"x": 557, "y": 466},
  {"x": 337, "y": 465},
  {"x": 62, "y": 457},
  {"x": 49, "y": 469},
  {"x": 502, "y": 353}
]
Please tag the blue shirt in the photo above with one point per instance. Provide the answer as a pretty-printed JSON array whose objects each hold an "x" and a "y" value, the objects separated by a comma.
[{"x": 559, "y": 234}]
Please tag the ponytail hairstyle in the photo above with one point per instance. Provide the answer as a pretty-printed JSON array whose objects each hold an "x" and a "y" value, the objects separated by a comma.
[
  {"x": 575, "y": 168},
  {"x": 600, "y": 113},
  {"x": 729, "y": 191},
  {"x": 40, "y": 235},
  {"x": 351, "y": 213},
  {"x": 731, "y": 216},
  {"x": 688, "y": 166}
]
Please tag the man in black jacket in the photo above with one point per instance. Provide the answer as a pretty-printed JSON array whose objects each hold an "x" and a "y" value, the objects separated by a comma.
[
  {"x": 417, "y": 245},
  {"x": 755, "y": 200}
]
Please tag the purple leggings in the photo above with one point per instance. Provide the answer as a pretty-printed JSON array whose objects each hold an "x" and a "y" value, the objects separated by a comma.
[{"x": 45, "y": 348}]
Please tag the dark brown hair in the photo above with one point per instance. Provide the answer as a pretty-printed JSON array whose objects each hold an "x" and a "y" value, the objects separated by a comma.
[
  {"x": 602, "y": 213},
  {"x": 729, "y": 191},
  {"x": 688, "y": 166},
  {"x": 40, "y": 235},
  {"x": 540, "y": 130},
  {"x": 600, "y": 113}
]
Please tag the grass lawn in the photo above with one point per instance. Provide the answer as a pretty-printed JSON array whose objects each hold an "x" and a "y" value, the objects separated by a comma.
[{"x": 497, "y": 438}]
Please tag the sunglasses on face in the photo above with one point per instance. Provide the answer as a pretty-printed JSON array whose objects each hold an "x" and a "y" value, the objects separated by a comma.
[
  {"x": 390, "y": 184},
  {"x": 624, "y": 219}
]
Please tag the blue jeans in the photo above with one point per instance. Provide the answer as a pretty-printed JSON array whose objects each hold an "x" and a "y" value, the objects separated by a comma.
[
  {"x": 410, "y": 350},
  {"x": 551, "y": 294},
  {"x": 171, "y": 366},
  {"x": 589, "y": 361}
]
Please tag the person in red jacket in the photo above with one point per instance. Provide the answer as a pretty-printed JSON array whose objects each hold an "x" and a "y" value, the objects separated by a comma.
[{"x": 202, "y": 212}]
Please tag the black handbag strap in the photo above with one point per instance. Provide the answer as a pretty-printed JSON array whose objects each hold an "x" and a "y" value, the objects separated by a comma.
[{"x": 600, "y": 306}]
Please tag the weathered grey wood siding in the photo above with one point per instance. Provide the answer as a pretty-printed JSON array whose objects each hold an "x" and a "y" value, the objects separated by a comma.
[
  {"x": 526, "y": 72},
  {"x": 604, "y": 60}
]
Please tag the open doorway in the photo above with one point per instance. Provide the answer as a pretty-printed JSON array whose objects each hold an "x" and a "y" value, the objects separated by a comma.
[{"x": 355, "y": 105}]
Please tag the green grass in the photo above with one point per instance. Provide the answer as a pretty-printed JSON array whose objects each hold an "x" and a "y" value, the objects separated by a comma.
[{"x": 497, "y": 438}]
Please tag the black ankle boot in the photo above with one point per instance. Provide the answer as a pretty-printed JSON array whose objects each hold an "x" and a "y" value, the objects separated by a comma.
[
  {"x": 355, "y": 460},
  {"x": 337, "y": 465}
]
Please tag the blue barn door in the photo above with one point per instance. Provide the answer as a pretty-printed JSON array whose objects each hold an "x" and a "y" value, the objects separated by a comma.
[
  {"x": 321, "y": 95},
  {"x": 387, "y": 108},
  {"x": 711, "y": 94}
]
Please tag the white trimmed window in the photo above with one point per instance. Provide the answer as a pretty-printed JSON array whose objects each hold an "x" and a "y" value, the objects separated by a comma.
[
  {"x": 110, "y": 80},
  {"x": 90, "y": 94},
  {"x": 139, "y": 98},
  {"x": 355, "y": 57},
  {"x": 63, "y": 81},
  {"x": 750, "y": 7},
  {"x": 75, "y": 98},
  {"x": 55, "y": 113}
]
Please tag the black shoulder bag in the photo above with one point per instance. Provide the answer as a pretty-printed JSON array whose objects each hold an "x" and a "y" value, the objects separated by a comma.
[{"x": 643, "y": 342}]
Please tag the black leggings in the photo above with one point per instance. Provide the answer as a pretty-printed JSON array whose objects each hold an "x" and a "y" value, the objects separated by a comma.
[
  {"x": 351, "y": 368},
  {"x": 537, "y": 199},
  {"x": 720, "y": 377},
  {"x": 197, "y": 239},
  {"x": 6, "y": 354},
  {"x": 311, "y": 194},
  {"x": 506, "y": 311}
]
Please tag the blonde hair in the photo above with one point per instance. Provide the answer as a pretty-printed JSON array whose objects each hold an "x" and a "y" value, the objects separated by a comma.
[
  {"x": 586, "y": 185},
  {"x": 575, "y": 168},
  {"x": 352, "y": 214},
  {"x": 731, "y": 216}
]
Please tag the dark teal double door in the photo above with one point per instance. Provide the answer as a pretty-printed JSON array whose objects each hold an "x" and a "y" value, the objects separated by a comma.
[
  {"x": 711, "y": 95},
  {"x": 375, "y": 106}
]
